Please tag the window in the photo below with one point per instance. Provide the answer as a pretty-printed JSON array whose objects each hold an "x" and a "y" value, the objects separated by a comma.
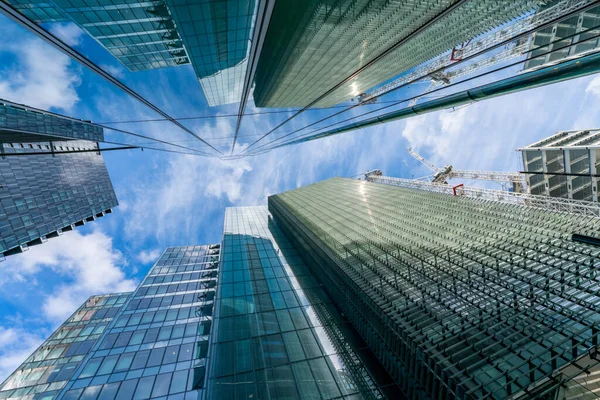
[{"x": 144, "y": 388}]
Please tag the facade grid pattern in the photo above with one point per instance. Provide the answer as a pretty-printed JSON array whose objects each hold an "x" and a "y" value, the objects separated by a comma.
[
  {"x": 153, "y": 343},
  {"x": 141, "y": 35},
  {"x": 43, "y": 195},
  {"x": 158, "y": 344},
  {"x": 566, "y": 165},
  {"x": 217, "y": 38},
  {"x": 457, "y": 297},
  {"x": 277, "y": 335},
  {"x": 50, "y": 367},
  {"x": 326, "y": 42},
  {"x": 18, "y": 123}
]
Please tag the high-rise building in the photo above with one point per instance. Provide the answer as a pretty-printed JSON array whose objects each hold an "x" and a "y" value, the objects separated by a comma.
[
  {"x": 151, "y": 343},
  {"x": 566, "y": 164},
  {"x": 211, "y": 35},
  {"x": 554, "y": 43},
  {"x": 270, "y": 332},
  {"x": 457, "y": 297},
  {"x": 312, "y": 46},
  {"x": 44, "y": 192},
  {"x": 346, "y": 289},
  {"x": 277, "y": 334}
]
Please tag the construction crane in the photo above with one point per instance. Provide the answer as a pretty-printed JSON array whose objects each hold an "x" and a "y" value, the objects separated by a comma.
[
  {"x": 441, "y": 175},
  {"x": 555, "y": 204},
  {"x": 432, "y": 69}
]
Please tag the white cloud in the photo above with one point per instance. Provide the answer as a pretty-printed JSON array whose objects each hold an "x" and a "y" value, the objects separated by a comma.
[
  {"x": 16, "y": 344},
  {"x": 43, "y": 77},
  {"x": 86, "y": 264},
  {"x": 594, "y": 87},
  {"x": 115, "y": 71},
  {"x": 148, "y": 256},
  {"x": 68, "y": 32}
]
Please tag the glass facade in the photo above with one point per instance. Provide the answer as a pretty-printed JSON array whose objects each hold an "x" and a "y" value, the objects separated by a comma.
[
  {"x": 43, "y": 195},
  {"x": 216, "y": 35},
  {"x": 326, "y": 42},
  {"x": 457, "y": 297},
  {"x": 277, "y": 334},
  {"x": 20, "y": 124},
  {"x": 141, "y": 35},
  {"x": 153, "y": 342},
  {"x": 48, "y": 370},
  {"x": 213, "y": 36}
]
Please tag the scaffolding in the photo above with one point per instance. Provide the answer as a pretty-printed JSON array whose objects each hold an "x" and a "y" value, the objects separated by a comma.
[{"x": 548, "y": 203}]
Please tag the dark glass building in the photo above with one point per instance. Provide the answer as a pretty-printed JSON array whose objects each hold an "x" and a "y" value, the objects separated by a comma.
[
  {"x": 43, "y": 192},
  {"x": 457, "y": 297}
]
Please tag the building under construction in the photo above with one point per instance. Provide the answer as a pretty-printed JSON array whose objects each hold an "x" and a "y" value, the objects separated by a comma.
[{"x": 566, "y": 164}]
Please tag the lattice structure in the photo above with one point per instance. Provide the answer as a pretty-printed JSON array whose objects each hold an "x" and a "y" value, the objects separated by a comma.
[
  {"x": 458, "y": 297},
  {"x": 548, "y": 203},
  {"x": 565, "y": 165},
  {"x": 327, "y": 42},
  {"x": 485, "y": 42}
]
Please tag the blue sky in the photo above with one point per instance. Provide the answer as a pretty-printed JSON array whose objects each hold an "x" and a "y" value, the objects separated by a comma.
[{"x": 170, "y": 199}]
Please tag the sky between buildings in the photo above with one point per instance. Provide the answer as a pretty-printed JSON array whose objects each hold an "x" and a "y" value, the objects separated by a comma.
[{"x": 172, "y": 200}]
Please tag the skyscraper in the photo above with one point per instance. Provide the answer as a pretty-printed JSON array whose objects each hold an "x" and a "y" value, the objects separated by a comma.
[
  {"x": 43, "y": 192},
  {"x": 270, "y": 332},
  {"x": 149, "y": 343},
  {"x": 312, "y": 46},
  {"x": 457, "y": 297},
  {"x": 566, "y": 164},
  {"x": 277, "y": 334},
  {"x": 346, "y": 289},
  {"x": 212, "y": 36}
]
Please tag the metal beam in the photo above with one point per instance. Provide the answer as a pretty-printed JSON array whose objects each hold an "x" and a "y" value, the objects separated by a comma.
[
  {"x": 556, "y": 204},
  {"x": 571, "y": 69}
]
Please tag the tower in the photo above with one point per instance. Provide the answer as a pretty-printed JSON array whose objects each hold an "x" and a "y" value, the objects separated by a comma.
[{"x": 52, "y": 179}]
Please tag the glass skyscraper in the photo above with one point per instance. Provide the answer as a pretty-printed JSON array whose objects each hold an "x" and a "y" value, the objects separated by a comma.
[
  {"x": 211, "y": 35},
  {"x": 277, "y": 334},
  {"x": 313, "y": 45},
  {"x": 151, "y": 343},
  {"x": 457, "y": 297},
  {"x": 42, "y": 192},
  {"x": 345, "y": 289}
]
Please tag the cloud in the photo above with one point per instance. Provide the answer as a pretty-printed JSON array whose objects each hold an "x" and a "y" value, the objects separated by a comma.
[
  {"x": 16, "y": 344},
  {"x": 42, "y": 76},
  {"x": 148, "y": 256},
  {"x": 117, "y": 72},
  {"x": 594, "y": 87},
  {"x": 85, "y": 264},
  {"x": 68, "y": 32}
]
